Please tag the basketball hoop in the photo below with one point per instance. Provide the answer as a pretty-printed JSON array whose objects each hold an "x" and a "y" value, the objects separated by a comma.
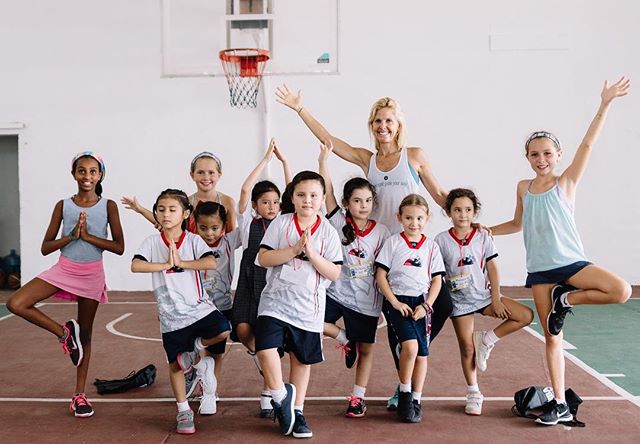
[{"x": 243, "y": 68}]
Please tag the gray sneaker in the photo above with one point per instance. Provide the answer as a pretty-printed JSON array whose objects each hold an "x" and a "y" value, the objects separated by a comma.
[
  {"x": 185, "y": 423},
  {"x": 186, "y": 360},
  {"x": 191, "y": 381}
]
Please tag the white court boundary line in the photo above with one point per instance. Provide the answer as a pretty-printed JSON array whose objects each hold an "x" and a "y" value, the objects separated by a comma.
[
  {"x": 592, "y": 372},
  {"x": 308, "y": 398}
]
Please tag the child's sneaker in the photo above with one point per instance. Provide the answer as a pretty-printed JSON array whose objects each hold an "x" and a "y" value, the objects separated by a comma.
[
  {"x": 405, "y": 406},
  {"x": 191, "y": 381},
  {"x": 417, "y": 412},
  {"x": 482, "y": 350},
  {"x": 300, "y": 427},
  {"x": 185, "y": 423},
  {"x": 555, "y": 319},
  {"x": 357, "y": 408},
  {"x": 392, "y": 403},
  {"x": 352, "y": 353},
  {"x": 266, "y": 409},
  {"x": 70, "y": 341},
  {"x": 555, "y": 413},
  {"x": 186, "y": 360},
  {"x": 283, "y": 411},
  {"x": 80, "y": 406},
  {"x": 205, "y": 369},
  {"x": 474, "y": 404}
]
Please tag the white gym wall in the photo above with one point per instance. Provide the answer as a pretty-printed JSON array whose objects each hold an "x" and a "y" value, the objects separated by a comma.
[{"x": 474, "y": 78}]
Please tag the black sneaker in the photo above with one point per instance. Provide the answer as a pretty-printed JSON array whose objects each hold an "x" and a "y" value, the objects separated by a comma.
[
  {"x": 80, "y": 406},
  {"x": 405, "y": 406},
  {"x": 417, "y": 412},
  {"x": 555, "y": 319},
  {"x": 300, "y": 428},
  {"x": 352, "y": 353},
  {"x": 283, "y": 411},
  {"x": 357, "y": 408},
  {"x": 555, "y": 413},
  {"x": 71, "y": 344}
]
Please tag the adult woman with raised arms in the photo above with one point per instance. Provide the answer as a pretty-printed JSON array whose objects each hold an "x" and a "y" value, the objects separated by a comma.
[{"x": 394, "y": 169}]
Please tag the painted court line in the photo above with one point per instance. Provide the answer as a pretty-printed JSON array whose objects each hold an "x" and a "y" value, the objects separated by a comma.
[
  {"x": 308, "y": 398},
  {"x": 613, "y": 375},
  {"x": 594, "y": 373}
]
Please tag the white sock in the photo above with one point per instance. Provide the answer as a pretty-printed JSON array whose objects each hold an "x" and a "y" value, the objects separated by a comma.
[
  {"x": 279, "y": 394},
  {"x": 417, "y": 396},
  {"x": 183, "y": 406},
  {"x": 299, "y": 408},
  {"x": 490, "y": 338},
  {"x": 265, "y": 400},
  {"x": 473, "y": 388},
  {"x": 406, "y": 388},
  {"x": 359, "y": 391},
  {"x": 198, "y": 345},
  {"x": 564, "y": 299},
  {"x": 342, "y": 337}
]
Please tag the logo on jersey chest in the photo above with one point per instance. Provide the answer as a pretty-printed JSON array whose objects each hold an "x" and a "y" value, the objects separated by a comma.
[
  {"x": 413, "y": 262},
  {"x": 358, "y": 252}
]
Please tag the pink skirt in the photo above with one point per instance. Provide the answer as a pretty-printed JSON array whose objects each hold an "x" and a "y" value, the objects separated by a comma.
[{"x": 77, "y": 279}]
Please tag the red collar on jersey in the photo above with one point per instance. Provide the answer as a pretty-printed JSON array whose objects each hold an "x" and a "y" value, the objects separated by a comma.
[
  {"x": 313, "y": 228},
  {"x": 166, "y": 241},
  {"x": 411, "y": 244},
  {"x": 362, "y": 233},
  {"x": 467, "y": 238}
]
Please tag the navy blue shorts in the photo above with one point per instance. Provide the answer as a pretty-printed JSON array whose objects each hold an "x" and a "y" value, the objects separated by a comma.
[
  {"x": 359, "y": 327},
  {"x": 220, "y": 347},
  {"x": 478, "y": 311},
  {"x": 555, "y": 276},
  {"x": 179, "y": 341},
  {"x": 274, "y": 333},
  {"x": 407, "y": 329}
]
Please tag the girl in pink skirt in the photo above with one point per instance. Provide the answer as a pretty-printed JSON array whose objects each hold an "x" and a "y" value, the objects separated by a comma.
[{"x": 79, "y": 274}]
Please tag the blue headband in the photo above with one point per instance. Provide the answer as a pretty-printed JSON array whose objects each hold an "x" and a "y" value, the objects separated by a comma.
[{"x": 542, "y": 134}]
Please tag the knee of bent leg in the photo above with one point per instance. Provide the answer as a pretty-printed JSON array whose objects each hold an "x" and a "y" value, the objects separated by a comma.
[
  {"x": 623, "y": 292},
  {"x": 15, "y": 306},
  {"x": 528, "y": 318},
  {"x": 410, "y": 347}
]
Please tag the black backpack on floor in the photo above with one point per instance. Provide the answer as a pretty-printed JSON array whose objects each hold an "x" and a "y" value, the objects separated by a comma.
[
  {"x": 141, "y": 378},
  {"x": 534, "y": 398}
]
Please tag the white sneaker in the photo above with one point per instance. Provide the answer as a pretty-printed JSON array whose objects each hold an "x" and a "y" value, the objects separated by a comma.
[
  {"x": 482, "y": 350},
  {"x": 474, "y": 403},
  {"x": 205, "y": 369}
]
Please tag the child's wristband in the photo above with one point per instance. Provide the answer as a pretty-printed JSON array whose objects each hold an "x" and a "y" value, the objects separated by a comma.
[
  {"x": 72, "y": 237},
  {"x": 427, "y": 307}
]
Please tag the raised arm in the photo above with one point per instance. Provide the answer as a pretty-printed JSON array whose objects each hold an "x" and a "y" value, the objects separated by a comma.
[
  {"x": 515, "y": 224},
  {"x": 572, "y": 175},
  {"x": 131, "y": 203},
  {"x": 419, "y": 161},
  {"x": 330, "y": 197},
  {"x": 286, "y": 170},
  {"x": 250, "y": 181},
  {"x": 356, "y": 156}
]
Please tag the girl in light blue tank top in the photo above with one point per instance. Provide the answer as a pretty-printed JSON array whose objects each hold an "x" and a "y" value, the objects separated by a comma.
[
  {"x": 558, "y": 271},
  {"x": 79, "y": 274}
]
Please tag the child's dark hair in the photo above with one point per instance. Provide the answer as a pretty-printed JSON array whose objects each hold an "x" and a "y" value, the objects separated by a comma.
[
  {"x": 100, "y": 167},
  {"x": 461, "y": 192},
  {"x": 357, "y": 183},
  {"x": 264, "y": 186},
  {"x": 286, "y": 204},
  {"x": 303, "y": 176},
  {"x": 178, "y": 195},
  {"x": 414, "y": 200},
  {"x": 210, "y": 209}
]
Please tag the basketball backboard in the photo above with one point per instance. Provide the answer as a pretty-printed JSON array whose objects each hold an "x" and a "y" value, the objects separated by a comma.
[{"x": 302, "y": 36}]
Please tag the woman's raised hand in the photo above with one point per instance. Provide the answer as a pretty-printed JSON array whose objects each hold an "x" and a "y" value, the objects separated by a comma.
[
  {"x": 286, "y": 97},
  {"x": 618, "y": 89}
]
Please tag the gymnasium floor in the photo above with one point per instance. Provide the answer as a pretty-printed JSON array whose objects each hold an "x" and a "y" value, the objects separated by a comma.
[{"x": 602, "y": 367}]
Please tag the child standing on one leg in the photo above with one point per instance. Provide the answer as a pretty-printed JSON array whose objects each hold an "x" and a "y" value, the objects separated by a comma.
[
  {"x": 409, "y": 274},
  {"x": 354, "y": 296},
  {"x": 206, "y": 171},
  {"x": 302, "y": 253},
  {"x": 79, "y": 273},
  {"x": 189, "y": 321},
  {"x": 265, "y": 203},
  {"x": 469, "y": 256},
  {"x": 557, "y": 268}
]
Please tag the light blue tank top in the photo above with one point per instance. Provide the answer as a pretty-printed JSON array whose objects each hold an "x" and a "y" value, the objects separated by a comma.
[
  {"x": 550, "y": 234},
  {"x": 79, "y": 250}
]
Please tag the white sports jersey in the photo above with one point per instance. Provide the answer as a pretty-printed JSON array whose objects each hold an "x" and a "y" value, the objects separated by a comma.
[
  {"x": 295, "y": 291},
  {"x": 355, "y": 288},
  {"x": 466, "y": 264},
  {"x": 410, "y": 265},
  {"x": 391, "y": 187},
  {"x": 180, "y": 296},
  {"x": 217, "y": 282}
]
